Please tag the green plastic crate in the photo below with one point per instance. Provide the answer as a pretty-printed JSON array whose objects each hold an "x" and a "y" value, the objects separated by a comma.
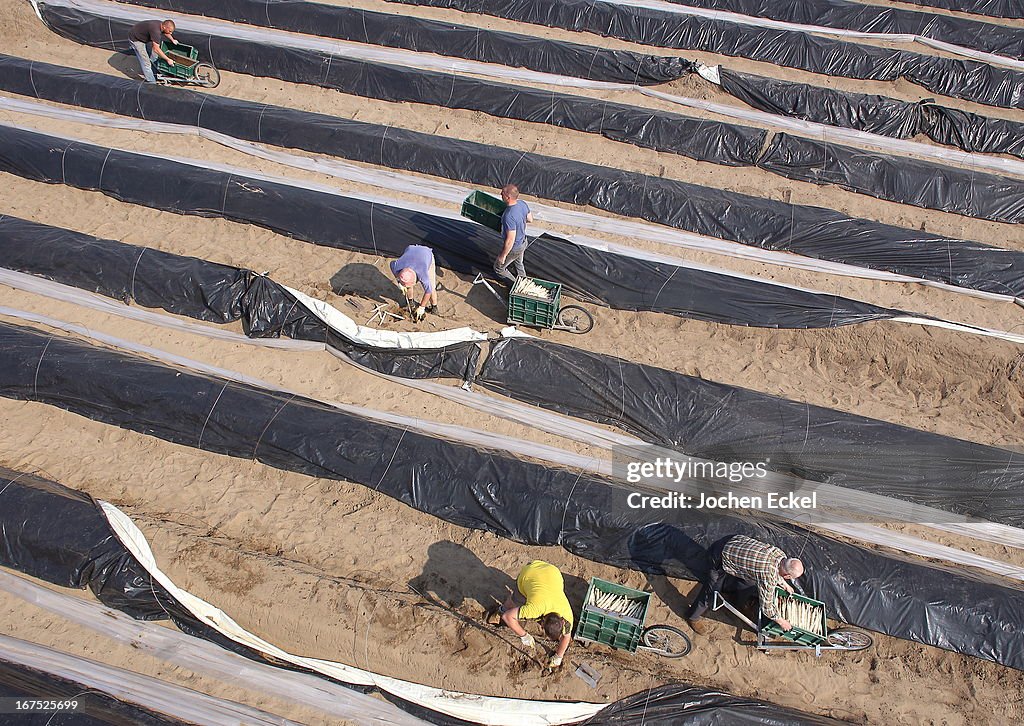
[
  {"x": 798, "y": 635},
  {"x": 534, "y": 311},
  {"x": 185, "y": 59},
  {"x": 484, "y": 209},
  {"x": 597, "y": 625}
]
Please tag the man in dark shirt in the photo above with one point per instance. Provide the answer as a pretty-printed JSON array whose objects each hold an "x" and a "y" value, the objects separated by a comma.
[
  {"x": 513, "y": 232},
  {"x": 151, "y": 33}
]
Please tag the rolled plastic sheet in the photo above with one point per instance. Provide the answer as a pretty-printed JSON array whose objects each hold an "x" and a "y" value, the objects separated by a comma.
[
  {"x": 958, "y": 78},
  {"x": 351, "y": 223},
  {"x": 966, "y": 612},
  {"x": 443, "y": 38},
  {"x": 727, "y": 423},
  {"x": 876, "y": 114},
  {"x": 992, "y": 8},
  {"x": 897, "y": 179},
  {"x": 216, "y": 293},
  {"x": 888, "y": 20}
]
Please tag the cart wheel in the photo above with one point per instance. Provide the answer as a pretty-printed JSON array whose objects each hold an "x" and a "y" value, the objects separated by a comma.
[
  {"x": 666, "y": 641},
  {"x": 575, "y": 319},
  {"x": 207, "y": 76},
  {"x": 848, "y": 639}
]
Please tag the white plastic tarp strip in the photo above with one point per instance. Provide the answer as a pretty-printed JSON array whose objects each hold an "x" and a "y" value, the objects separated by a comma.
[
  {"x": 841, "y": 499},
  {"x": 178, "y": 702},
  {"x": 677, "y": 9},
  {"x": 205, "y": 658},
  {"x": 807, "y": 128},
  {"x": 478, "y": 709},
  {"x": 453, "y": 194},
  {"x": 334, "y": 318}
]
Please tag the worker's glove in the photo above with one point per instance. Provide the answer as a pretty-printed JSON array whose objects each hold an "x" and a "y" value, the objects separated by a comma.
[
  {"x": 555, "y": 662},
  {"x": 421, "y": 312},
  {"x": 527, "y": 640}
]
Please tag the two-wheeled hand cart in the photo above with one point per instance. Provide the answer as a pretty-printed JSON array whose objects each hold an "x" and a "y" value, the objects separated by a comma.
[
  {"x": 810, "y": 626},
  {"x": 532, "y": 301},
  {"x": 187, "y": 69},
  {"x": 615, "y": 615}
]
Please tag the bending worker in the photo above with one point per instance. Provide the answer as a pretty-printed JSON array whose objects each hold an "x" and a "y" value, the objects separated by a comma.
[
  {"x": 151, "y": 33},
  {"x": 513, "y": 230},
  {"x": 740, "y": 562},
  {"x": 417, "y": 265},
  {"x": 541, "y": 584}
]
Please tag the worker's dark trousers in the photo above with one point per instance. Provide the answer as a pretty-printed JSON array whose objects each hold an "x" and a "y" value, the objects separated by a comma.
[{"x": 717, "y": 580}]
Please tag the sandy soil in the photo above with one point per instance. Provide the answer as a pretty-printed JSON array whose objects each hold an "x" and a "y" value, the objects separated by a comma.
[{"x": 316, "y": 566}]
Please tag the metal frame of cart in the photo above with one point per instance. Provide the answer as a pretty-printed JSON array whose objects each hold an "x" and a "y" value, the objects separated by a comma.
[
  {"x": 187, "y": 67},
  {"x": 841, "y": 639}
]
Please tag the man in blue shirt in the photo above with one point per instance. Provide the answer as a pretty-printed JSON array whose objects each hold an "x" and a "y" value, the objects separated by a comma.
[
  {"x": 513, "y": 230},
  {"x": 417, "y": 265}
]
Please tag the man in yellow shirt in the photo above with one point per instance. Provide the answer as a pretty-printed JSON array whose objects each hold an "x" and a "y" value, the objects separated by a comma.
[{"x": 541, "y": 584}]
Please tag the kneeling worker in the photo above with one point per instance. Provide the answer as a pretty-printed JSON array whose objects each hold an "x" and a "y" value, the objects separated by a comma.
[
  {"x": 417, "y": 265},
  {"x": 740, "y": 561},
  {"x": 544, "y": 589}
]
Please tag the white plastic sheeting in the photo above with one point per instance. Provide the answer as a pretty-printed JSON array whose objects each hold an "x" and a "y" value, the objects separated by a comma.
[
  {"x": 347, "y": 327},
  {"x": 478, "y": 709},
  {"x": 203, "y": 657},
  {"x": 155, "y": 695}
]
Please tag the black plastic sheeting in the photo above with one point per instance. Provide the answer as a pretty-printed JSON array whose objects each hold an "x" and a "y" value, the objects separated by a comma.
[
  {"x": 877, "y": 114},
  {"x": 93, "y": 707},
  {"x": 726, "y": 423},
  {"x": 980, "y": 195},
  {"x": 776, "y": 225},
  {"x": 58, "y": 535},
  {"x": 976, "y": 34},
  {"x": 968, "y": 80},
  {"x": 205, "y": 291},
  {"x": 680, "y": 704},
  {"x": 704, "y": 141},
  {"x": 326, "y": 219},
  {"x": 666, "y": 701},
  {"x": 970, "y": 613},
  {"x": 992, "y": 8},
  {"x": 697, "y": 138},
  {"x": 769, "y": 224},
  {"x": 439, "y": 37},
  {"x": 897, "y": 179}
]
